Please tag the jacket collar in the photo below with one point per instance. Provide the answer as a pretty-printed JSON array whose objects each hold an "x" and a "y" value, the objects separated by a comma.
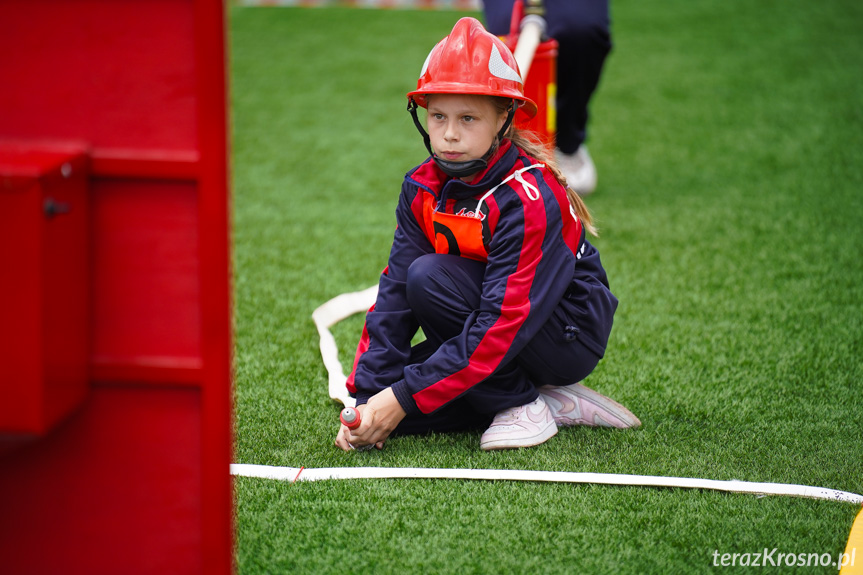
[{"x": 429, "y": 176}]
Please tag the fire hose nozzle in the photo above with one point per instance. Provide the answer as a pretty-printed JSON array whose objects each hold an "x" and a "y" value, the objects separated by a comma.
[{"x": 535, "y": 20}]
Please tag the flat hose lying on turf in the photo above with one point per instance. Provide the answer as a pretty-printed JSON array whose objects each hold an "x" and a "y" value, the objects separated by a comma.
[
  {"x": 329, "y": 314},
  {"x": 733, "y": 486}
]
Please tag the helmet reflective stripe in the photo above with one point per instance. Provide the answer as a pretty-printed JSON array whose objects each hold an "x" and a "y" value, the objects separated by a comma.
[
  {"x": 499, "y": 68},
  {"x": 426, "y": 63}
]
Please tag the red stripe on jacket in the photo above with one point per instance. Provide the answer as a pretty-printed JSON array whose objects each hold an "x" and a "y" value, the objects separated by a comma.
[{"x": 514, "y": 310}]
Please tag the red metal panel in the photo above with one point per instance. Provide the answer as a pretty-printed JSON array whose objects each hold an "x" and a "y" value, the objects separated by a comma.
[
  {"x": 214, "y": 218},
  {"x": 65, "y": 273},
  {"x": 125, "y": 78},
  {"x": 118, "y": 74},
  {"x": 20, "y": 348},
  {"x": 43, "y": 255},
  {"x": 146, "y": 273},
  {"x": 150, "y": 164},
  {"x": 142, "y": 82},
  {"x": 115, "y": 490}
]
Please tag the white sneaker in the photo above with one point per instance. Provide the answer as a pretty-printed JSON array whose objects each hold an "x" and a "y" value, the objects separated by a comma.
[
  {"x": 579, "y": 405},
  {"x": 522, "y": 426},
  {"x": 578, "y": 169}
]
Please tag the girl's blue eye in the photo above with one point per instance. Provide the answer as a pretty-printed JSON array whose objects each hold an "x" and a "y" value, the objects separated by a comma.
[{"x": 468, "y": 119}]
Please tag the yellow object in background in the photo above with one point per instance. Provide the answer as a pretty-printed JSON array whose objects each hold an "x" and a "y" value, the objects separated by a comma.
[{"x": 853, "y": 565}]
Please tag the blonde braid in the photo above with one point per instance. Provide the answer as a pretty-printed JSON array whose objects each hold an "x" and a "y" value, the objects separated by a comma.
[{"x": 531, "y": 144}]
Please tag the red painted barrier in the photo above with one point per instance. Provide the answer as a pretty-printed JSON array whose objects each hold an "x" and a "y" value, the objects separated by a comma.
[
  {"x": 43, "y": 250},
  {"x": 115, "y": 400}
]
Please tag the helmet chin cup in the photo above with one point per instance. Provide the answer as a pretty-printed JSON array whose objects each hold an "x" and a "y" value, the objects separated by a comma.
[{"x": 460, "y": 169}]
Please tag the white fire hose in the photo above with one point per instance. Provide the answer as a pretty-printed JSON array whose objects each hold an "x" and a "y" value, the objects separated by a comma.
[{"x": 733, "y": 486}]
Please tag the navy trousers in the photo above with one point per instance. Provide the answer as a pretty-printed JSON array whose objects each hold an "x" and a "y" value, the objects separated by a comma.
[
  {"x": 582, "y": 30},
  {"x": 444, "y": 291}
]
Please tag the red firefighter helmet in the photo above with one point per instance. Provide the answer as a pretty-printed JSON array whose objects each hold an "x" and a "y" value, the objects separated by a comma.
[{"x": 472, "y": 61}]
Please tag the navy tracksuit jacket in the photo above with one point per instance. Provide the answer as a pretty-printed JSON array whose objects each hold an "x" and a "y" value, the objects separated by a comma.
[{"x": 540, "y": 311}]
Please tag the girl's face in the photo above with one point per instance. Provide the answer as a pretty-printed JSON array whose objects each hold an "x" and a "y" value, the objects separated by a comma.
[{"x": 462, "y": 127}]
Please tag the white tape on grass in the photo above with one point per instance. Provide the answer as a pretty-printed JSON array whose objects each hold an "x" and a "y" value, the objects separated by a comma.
[{"x": 733, "y": 486}]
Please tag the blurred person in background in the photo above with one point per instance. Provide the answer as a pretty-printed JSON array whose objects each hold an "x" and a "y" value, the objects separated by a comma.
[{"x": 582, "y": 30}]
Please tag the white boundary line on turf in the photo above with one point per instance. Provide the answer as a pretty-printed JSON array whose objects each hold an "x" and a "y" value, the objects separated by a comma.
[
  {"x": 733, "y": 486},
  {"x": 347, "y": 304}
]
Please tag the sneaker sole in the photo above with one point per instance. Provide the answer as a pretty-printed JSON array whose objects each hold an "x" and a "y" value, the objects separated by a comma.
[{"x": 508, "y": 443}]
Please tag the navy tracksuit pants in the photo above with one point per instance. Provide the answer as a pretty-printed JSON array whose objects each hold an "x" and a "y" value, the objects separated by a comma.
[
  {"x": 582, "y": 30},
  {"x": 443, "y": 292}
]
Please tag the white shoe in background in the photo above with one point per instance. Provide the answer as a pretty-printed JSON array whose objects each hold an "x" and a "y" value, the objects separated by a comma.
[{"x": 579, "y": 170}]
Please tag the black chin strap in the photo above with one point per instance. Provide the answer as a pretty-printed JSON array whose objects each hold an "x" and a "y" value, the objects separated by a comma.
[{"x": 461, "y": 169}]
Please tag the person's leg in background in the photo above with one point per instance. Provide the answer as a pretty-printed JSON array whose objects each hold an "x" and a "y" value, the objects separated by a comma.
[{"x": 582, "y": 30}]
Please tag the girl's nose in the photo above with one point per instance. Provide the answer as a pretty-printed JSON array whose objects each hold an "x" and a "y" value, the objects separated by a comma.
[{"x": 451, "y": 132}]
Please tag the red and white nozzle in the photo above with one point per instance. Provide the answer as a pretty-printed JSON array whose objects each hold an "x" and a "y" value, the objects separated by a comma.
[{"x": 350, "y": 417}]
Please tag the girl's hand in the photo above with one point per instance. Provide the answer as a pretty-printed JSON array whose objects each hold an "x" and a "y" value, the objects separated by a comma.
[
  {"x": 342, "y": 438},
  {"x": 379, "y": 417}
]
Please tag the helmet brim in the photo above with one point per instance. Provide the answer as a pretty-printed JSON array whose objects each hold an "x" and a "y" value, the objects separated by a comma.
[{"x": 525, "y": 105}]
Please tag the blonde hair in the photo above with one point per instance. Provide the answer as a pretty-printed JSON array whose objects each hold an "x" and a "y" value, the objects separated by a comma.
[{"x": 532, "y": 145}]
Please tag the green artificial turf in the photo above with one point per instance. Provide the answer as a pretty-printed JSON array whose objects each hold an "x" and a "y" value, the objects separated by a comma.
[{"x": 728, "y": 138}]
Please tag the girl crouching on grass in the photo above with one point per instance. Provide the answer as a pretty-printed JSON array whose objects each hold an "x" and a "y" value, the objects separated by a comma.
[{"x": 490, "y": 259}]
